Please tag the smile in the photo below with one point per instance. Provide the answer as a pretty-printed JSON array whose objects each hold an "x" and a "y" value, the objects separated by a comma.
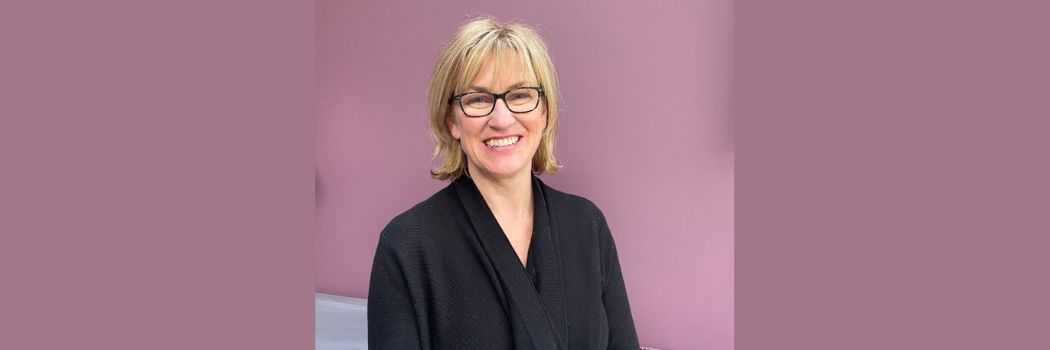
[{"x": 502, "y": 142}]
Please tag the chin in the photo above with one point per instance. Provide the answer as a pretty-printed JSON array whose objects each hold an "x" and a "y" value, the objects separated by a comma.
[{"x": 504, "y": 171}]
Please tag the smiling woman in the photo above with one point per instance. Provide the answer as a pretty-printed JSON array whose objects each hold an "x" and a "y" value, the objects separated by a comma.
[
  {"x": 499, "y": 139},
  {"x": 497, "y": 259},
  {"x": 480, "y": 57}
]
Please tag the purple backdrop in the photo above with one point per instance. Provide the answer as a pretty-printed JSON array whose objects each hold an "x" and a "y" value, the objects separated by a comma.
[{"x": 645, "y": 134}]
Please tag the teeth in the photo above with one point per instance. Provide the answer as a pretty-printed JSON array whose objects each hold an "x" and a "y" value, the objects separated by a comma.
[{"x": 502, "y": 142}]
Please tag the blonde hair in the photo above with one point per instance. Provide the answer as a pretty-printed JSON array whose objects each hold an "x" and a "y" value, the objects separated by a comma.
[{"x": 459, "y": 64}]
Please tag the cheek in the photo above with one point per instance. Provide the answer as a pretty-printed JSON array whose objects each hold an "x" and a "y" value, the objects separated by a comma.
[
  {"x": 467, "y": 128},
  {"x": 542, "y": 122},
  {"x": 540, "y": 125}
]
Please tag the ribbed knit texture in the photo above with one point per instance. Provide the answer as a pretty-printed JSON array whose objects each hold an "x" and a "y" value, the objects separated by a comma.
[{"x": 445, "y": 276}]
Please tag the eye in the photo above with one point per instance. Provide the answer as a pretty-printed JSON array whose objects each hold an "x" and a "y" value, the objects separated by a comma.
[
  {"x": 477, "y": 99},
  {"x": 521, "y": 96}
]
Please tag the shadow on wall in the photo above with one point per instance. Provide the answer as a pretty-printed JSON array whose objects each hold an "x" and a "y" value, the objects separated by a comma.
[{"x": 318, "y": 188}]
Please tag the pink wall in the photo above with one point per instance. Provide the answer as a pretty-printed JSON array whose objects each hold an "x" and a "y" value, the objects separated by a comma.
[{"x": 646, "y": 134}]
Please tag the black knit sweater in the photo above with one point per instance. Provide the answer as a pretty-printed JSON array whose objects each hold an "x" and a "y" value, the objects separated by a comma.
[{"x": 445, "y": 276}]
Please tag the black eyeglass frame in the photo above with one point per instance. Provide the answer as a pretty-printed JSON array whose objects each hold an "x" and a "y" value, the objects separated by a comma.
[{"x": 497, "y": 97}]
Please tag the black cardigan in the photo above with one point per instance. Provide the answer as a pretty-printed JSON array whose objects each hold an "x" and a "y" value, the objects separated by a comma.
[{"x": 445, "y": 276}]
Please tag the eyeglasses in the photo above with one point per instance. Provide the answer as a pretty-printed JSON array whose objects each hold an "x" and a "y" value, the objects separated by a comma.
[{"x": 480, "y": 104}]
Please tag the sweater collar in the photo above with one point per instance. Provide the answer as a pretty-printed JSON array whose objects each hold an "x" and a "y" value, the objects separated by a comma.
[{"x": 538, "y": 309}]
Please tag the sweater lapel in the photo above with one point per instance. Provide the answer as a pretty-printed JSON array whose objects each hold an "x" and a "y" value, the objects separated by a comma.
[
  {"x": 537, "y": 310},
  {"x": 548, "y": 263}
]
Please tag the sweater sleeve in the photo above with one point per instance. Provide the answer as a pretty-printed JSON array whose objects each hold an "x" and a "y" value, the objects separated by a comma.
[
  {"x": 391, "y": 316},
  {"x": 622, "y": 334}
]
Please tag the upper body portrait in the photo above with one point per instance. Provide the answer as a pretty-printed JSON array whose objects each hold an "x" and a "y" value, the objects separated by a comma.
[{"x": 497, "y": 259}]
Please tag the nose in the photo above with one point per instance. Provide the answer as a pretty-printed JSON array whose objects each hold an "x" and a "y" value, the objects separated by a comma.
[{"x": 501, "y": 116}]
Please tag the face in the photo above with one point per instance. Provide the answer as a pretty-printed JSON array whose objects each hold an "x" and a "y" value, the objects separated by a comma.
[{"x": 488, "y": 141}]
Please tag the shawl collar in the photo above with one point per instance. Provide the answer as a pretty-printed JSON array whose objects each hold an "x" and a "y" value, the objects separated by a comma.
[{"x": 537, "y": 311}]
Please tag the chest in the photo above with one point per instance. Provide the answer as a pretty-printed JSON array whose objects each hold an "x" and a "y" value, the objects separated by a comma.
[
  {"x": 519, "y": 233},
  {"x": 467, "y": 295}
]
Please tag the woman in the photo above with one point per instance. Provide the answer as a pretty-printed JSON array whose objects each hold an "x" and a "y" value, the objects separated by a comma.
[{"x": 498, "y": 259}]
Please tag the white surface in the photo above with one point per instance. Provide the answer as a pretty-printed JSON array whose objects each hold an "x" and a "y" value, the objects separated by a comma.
[{"x": 340, "y": 323}]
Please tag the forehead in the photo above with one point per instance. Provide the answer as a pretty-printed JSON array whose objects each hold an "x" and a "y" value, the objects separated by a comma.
[{"x": 498, "y": 72}]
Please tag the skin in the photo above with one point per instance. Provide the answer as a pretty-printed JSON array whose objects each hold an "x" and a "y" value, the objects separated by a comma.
[{"x": 503, "y": 178}]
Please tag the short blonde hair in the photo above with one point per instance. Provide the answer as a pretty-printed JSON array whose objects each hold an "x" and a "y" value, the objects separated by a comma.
[{"x": 459, "y": 64}]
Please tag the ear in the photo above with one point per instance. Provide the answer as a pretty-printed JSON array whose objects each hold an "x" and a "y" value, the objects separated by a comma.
[{"x": 453, "y": 126}]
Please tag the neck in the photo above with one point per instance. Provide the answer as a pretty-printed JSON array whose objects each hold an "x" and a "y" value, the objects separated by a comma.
[{"x": 510, "y": 196}]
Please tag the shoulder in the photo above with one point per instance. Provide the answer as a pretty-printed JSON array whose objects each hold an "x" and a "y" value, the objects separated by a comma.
[
  {"x": 411, "y": 223},
  {"x": 584, "y": 221},
  {"x": 576, "y": 210},
  {"x": 568, "y": 201}
]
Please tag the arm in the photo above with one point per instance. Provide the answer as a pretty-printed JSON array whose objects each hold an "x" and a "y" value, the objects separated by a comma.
[
  {"x": 391, "y": 316},
  {"x": 622, "y": 334}
]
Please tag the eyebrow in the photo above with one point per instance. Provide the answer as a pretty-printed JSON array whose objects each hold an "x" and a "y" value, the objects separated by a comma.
[{"x": 482, "y": 89}]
